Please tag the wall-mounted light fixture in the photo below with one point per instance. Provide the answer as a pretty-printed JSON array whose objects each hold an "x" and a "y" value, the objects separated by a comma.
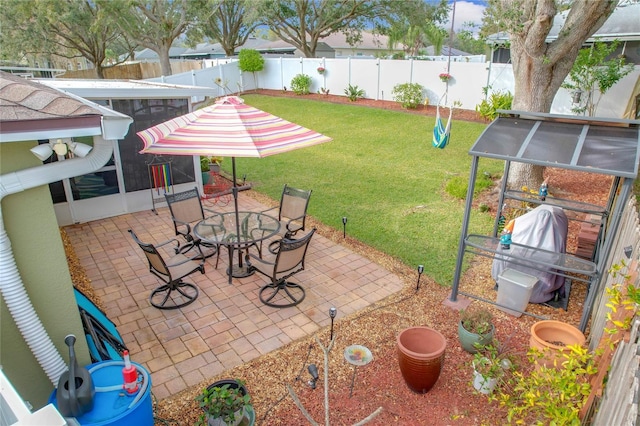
[
  {"x": 628, "y": 251},
  {"x": 61, "y": 147}
]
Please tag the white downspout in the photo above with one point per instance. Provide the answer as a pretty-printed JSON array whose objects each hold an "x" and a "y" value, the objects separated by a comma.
[{"x": 11, "y": 285}]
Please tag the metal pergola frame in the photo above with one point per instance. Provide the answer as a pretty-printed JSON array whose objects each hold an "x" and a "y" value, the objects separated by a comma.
[{"x": 586, "y": 144}]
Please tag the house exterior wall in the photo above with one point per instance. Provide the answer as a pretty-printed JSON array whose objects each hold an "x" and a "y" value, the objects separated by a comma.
[{"x": 31, "y": 225}]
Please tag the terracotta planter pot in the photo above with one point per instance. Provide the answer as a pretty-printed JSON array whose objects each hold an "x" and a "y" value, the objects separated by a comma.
[
  {"x": 421, "y": 356},
  {"x": 556, "y": 336}
]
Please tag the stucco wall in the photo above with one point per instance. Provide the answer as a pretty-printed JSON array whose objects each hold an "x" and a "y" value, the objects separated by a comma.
[{"x": 35, "y": 239}]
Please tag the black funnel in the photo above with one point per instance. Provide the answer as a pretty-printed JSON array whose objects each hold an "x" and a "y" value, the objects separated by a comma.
[{"x": 75, "y": 387}]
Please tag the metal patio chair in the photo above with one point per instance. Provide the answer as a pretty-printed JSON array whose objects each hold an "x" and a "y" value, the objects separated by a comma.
[
  {"x": 292, "y": 214},
  {"x": 186, "y": 210},
  {"x": 288, "y": 260},
  {"x": 174, "y": 293}
]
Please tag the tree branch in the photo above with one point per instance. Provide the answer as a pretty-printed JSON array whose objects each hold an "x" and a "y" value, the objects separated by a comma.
[
  {"x": 300, "y": 406},
  {"x": 369, "y": 417}
]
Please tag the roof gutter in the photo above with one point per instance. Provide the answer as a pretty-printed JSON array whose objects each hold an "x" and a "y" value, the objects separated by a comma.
[{"x": 11, "y": 285}]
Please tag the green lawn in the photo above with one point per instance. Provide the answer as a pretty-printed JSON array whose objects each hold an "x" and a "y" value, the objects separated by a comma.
[{"x": 381, "y": 172}]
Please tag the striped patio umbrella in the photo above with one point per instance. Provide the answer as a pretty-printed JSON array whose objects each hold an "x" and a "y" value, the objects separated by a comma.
[{"x": 228, "y": 128}]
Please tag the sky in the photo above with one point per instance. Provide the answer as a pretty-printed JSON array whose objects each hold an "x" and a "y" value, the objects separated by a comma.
[{"x": 467, "y": 11}]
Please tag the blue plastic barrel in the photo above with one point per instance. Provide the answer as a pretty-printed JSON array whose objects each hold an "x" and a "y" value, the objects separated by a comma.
[{"x": 112, "y": 406}]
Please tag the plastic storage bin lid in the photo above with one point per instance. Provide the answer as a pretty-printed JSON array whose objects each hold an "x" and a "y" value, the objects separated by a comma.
[{"x": 518, "y": 278}]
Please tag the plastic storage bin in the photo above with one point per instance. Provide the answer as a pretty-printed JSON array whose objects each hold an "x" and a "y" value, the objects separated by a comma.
[{"x": 514, "y": 291}]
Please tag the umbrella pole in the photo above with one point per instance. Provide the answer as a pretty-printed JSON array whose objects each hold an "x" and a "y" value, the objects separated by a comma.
[{"x": 235, "y": 203}]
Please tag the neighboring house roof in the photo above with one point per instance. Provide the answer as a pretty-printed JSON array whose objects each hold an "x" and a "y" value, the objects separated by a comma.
[
  {"x": 444, "y": 51},
  {"x": 623, "y": 25},
  {"x": 369, "y": 41},
  {"x": 333, "y": 42},
  {"x": 174, "y": 52},
  {"x": 206, "y": 49}
]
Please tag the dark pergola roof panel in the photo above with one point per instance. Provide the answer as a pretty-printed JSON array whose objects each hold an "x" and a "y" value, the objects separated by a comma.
[{"x": 610, "y": 147}]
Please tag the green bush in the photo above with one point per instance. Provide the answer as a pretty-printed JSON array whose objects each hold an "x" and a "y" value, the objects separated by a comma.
[
  {"x": 250, "y": 60},
  {"x": 497, "y": 100},
  {"x": 409, "y": 95},
  {"x": 300, "y": 84},
  {"x": 354, "y": 92}
]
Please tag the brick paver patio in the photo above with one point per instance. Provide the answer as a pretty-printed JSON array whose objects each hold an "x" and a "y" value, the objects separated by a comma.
[{"x": 227, "y": 325}]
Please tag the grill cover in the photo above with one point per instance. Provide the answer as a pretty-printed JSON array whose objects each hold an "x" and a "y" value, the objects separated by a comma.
[{"x": 544, "y": 227}]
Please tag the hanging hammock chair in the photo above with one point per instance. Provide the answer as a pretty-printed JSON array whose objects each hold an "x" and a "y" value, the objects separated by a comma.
[{"x": 441, "y": 132}]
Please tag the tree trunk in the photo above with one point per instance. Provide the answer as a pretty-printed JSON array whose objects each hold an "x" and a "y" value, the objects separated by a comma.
[
  {"x": 165, "y": 62},
  {"x": 100, "y": 72},
  {"x": 525, "y": 175}
]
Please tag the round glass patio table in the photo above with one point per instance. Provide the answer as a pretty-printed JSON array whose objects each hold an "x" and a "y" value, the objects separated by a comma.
[{"x": 237, "y": 232}]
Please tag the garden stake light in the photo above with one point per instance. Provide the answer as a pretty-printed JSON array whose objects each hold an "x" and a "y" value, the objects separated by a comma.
[
  {"x": 332, "y": 313},
  {"x": 344, "y": 227},
  {"x": 313, "y": 370},
  {"x": 420, "y": 271}
]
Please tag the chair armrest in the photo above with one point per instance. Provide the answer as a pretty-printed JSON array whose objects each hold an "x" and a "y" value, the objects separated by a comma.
[
  {"x": 167, "y": 242},
  {"x": 185, "y": 259},
  {"x": 260, "y": 264},
  {"x": 212, "y": 213},
  {"x": 272, "y": 208},
  {"x": 295, "y": 219},
  {"x": 181, "y": 223}
]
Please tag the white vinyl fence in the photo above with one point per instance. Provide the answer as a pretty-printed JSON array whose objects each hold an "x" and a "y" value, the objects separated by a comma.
[{"x": 377, "y": 77}]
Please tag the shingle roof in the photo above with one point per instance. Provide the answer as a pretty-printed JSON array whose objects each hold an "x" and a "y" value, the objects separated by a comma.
[{"x": 21, "y": 100}]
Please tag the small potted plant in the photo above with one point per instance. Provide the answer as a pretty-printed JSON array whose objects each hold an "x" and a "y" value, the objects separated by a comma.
[
  {"x": 321, "y": 70},
  {"x": 490, "y": 363},
  {"x": 224, "y": 403},
  {"x": 214, "y": 164},
  {"x": 475, "y": 327},
  {"x": 445, "y": 76}
]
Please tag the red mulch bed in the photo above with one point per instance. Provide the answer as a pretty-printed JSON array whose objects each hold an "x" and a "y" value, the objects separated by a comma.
[{"x": 430, "y": 110}]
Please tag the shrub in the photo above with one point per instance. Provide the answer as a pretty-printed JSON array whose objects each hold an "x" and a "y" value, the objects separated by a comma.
[
  {"x": 354, "y": 92},
  {"x": 497, "y": 100},
  {"x": 545, "y": 395},
  {"x": 300, "y": 84},
  {"x": 250, "y": 60},
  {"x": 409, "y": 95}
]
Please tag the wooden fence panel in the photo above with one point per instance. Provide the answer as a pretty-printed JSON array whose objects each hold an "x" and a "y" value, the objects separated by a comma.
[
  {"x": 619, "y": 405},
  {"x": 136, "y": 71},
  {"x": 628, "y": 235}
]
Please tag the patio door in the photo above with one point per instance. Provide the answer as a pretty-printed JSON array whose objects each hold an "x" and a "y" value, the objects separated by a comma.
[{"x": 92, "y": 196}]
